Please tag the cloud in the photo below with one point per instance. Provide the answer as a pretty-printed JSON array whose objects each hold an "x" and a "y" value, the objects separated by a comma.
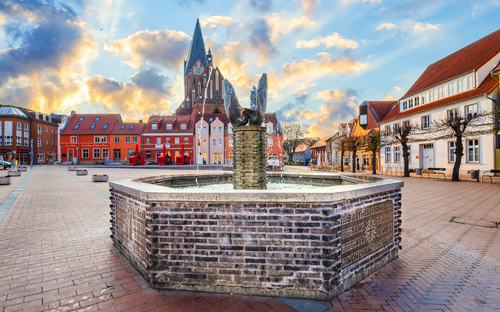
[
  {"x": 322, "y": 64},
  {"x": 397, "y": 88},
  {"x": 261, "y": 5},
  {"x": 308, "y": 6},
  {"x": 165, "y": 47},
  {"x": 382, "y": 9},
  {"x": 299, "y": 24},
  {"x": 187, "y": 3},
  {"x": 213, "y": 21},
  {"x": 263, "y": 34},
  {"x": 389, "y": 98},
  {"x": 147, "y": 93},
  {"x": 385, "y": 26},
  {"x": 420, "y": 27},
  {"x": 334, "y": 40},
  {"x": 2, "y": 19}
]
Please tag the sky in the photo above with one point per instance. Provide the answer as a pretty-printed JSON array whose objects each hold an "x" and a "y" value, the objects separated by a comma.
[{"x": 323, "y": 58}]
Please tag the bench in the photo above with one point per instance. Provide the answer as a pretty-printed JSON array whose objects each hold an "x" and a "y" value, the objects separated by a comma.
[
  {"x": 435, "y": 171},
  {"x": 491, "y": 173}
]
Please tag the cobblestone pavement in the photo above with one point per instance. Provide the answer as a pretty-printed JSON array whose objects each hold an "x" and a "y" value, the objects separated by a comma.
[{"x": 56, "y": 254}]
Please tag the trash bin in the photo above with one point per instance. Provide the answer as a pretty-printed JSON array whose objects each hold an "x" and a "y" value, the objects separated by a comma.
[
  {"x": 474, "y": 174},
  {"x": 418, "y": 171}
]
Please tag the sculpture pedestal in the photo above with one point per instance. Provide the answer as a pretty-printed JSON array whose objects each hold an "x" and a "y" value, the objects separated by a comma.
[{"x": 249, "y": 157}]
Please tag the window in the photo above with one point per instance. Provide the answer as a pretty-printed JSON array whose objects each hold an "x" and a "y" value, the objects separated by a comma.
[
  {"x": 405, "y": 105},
  {"x": 451, "y": 89},
  {"x": 425, "y": 122},
  {"x": 154, "y": 126},
  {"x": 397, "y": 154},
  {"x": 471, "y": 111},
  {"x": 167, "y": 140},
  {"x": 74, "y": 128},
  {"x": 52, "y": 143},
  {"x": 26, "y": 142},
  {"x": 176, "y": 140},
  {"x": 470, "y": 82},
  {"x": 230, "y": 142},
  {"x": 460, "y": 86},
  {"x": 410, "y": 103},
  {"x": 473, "y": 150},
  {"x": 406, "y": 123},
  {"x": 169, "y": 126},
  {"x": 26, "y": 128},
  {"x": 230, "y": 129},
  {"x": 183, "y": 126},
  {"x": 103, "y": 139},
  {"x": 105, "y": 153},
  {"x": 92, "y": 127},
  {"x": 220, "y": 130},
  {"x": 417, "y": 99},
  {"x": 148, "y": 140},
  {"x": 40, "y": 131},
  {"x": 97, "y": 139},
  {"x": 123, "y": 126},
  {"x": 131, "y": 127},
  {"x": 19, "y": 127},
  {"x": 204, "y": 142},
  {"x": 134, "y": 139},
  {"x": 105, "y": 126},
  {"x": 158, "y": 140},
  {"x": 8, "y": 140},
  {"x": 451, "y": 151},
  {"x": 214, "y": 143},
  {"x": 395, "y": 127},
  {"x": 47, "y": 129},
  {"x": 117, "y": 139},
  {"x": 269, "y": 142},
  {"x": 127, "y": 139},
  {"x": 73, "y": 139},
  {"x": 41, "y": 158},
  {"x": 85, "y": 153},
  {"x": 52, "y": 131},
  {"x": 81, "y": 119},
  {"x": 199, "y": 130},
  {"x": 186, "y": 140},
  {"x": 440, "y": 93},
  {"x": 19, "y": 141},
  {"x": 199, "y": 142},
  {"x": 452, "y": 114},
  {"x": 204, "y": 130},
  {"x": 97, "y": 119},
  {"x": 387, "y": 154},
  {"x": 423, "y": 99},
  {"x": 269, "y": 128},
  {"x": 387, "y": 129},
  {"x": 97, "y": 153},
  {"x": 214, "y": 130},
  {"x": 39, "y": 142},
  {"x": 220, "y": 143}
]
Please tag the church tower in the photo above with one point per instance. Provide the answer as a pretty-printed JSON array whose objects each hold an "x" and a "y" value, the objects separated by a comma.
[{"x": 197, "y": 78}]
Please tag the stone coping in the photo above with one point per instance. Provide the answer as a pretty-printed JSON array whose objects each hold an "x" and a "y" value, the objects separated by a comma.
[{"x": 151, "y": 192}]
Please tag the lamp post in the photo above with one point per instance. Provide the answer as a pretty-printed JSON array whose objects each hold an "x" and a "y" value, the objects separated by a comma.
[{"x": 31, "y": 144}]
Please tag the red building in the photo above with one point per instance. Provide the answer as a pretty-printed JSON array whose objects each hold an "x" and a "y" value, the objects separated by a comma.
[
  {"x": 86, "y": 139},
  {"x": 125, "y": 136},
  {"x": 176, "y": 132},
  {"x": 19, "y": 128}
]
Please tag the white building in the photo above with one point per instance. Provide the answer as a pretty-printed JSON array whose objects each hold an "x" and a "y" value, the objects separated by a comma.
[{"x": 459, "y": 84}]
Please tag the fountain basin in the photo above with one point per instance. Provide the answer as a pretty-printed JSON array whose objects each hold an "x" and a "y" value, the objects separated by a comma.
[{"x": 311, "y": 244}]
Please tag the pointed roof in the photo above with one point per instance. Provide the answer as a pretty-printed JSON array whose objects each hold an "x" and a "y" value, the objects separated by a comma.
[{"x": 196, "y": 49}]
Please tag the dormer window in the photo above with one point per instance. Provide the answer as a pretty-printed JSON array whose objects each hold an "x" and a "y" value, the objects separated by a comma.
[
  {"x": 92, "y": 127},
  {"x": 81, "y": 119},
  {"x": 169, "y": 126},
  {"x": 154, "y": 126},
  {"x": 97, "y": 119},
  {"x": 183, "y": 126},
  {"x": 416, "y": 101},
  {"x": 423, "y": 99},
  {"x": 405, "y": 105},
  {"x": 123, "y": 126}
]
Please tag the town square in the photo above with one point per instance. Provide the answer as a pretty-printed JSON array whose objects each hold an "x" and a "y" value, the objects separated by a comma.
[{"x": 254, "y": 155}]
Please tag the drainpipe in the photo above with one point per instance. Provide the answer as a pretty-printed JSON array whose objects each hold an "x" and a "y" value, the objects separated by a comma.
[
  {"x": 495, "y": 107},
  {"x": 79, "y": 150}
]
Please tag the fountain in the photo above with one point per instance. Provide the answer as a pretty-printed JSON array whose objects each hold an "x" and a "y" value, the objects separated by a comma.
[{"x": 279, "y": 234}]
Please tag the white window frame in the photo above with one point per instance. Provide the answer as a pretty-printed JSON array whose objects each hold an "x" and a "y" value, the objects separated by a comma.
[
  {"x": 388, "y": 154},
  {"x": 397, "y": 154},
  {"x": 176, "y": 140},
  {"x": 39, "y": 143},
  {"x": 40, "y": 131},
  {"x": 73, "y": 139},
  {"x": 134, "y": 139},
  {"x": 169, "y": 126},
  {"x": 451, "y": 116},
  {"x": 183, "y": 126},
  {"x": 97, "y": 139},
  {"x": 452, "y": 151},
  {"x": 474, "y": 147},
  {"x": 105, "y": 153},
  {"x": 98, "y": 153},
  {"x": 85, "y": 151},
  {"x": 425, "y": 122},
  {"x": 469, "y": 108},
  {"x": 127, "y": 139},
  {"x": 117, "y": 139}
]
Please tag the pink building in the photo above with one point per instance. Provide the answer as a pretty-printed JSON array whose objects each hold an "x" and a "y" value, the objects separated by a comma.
[{"x": 209, "y": 138}]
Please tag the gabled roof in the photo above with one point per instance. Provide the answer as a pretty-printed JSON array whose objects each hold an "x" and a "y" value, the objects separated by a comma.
[
  {"x": 133, "y": 128},
  {"x": 307, "y": 143},
  {"x": 469, "y": 58},
  {"x": 322, "y": 142},
  {"x": 487, "y": 86},
  {"x": 174, "y": 120},
  {"x": 377, "y": 110},
  {"x": 196, "y": 49},
  {"x": 88, "y": 121}
]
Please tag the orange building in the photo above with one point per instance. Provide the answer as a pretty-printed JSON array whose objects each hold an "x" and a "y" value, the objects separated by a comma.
[{"x": 125, "y": 137}]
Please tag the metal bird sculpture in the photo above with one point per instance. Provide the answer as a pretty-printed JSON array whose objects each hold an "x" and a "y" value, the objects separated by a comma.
[{"x": 258, "y": 103}]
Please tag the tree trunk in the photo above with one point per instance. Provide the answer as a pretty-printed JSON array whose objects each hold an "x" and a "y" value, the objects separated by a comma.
[
  {"x": 459, "y": 152},
  {"x": 291, "y": 157},
  {"x": 354, "y": 161},
  {"x": 406, "y": 161},
  {"x": 342, "y": 161},
  {"x": 374, "y": 161}
]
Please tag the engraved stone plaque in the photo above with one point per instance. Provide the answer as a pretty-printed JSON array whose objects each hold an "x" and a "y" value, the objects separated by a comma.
[{"x": 366, "y": 230}]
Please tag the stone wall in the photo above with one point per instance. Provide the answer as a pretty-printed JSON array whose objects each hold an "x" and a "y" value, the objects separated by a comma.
[
  {"x": 271, "y": 249},
  {"x": 249, "y": 157}
]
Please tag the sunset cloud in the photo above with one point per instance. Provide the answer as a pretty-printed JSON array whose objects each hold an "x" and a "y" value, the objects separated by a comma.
[
  {"x": 213, "y": 21},
  {"x": 420, "y": 27},
  {"x": 165, "y": 47},
  {"x": 308, "y": 6},
  {"x": 334, "y": 40},
  {"x": 300, "y": 23},
  {"x": 385, "y": 26},
  {"x": 263, "y": 36},
  {"x": 322, "y": 64}
]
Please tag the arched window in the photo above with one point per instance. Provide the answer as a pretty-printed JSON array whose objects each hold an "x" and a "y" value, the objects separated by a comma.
[{"x": 194, "y": 81}]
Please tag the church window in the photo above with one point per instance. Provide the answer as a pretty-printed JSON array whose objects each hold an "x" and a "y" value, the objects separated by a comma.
[{"x": 217, "y": 95}]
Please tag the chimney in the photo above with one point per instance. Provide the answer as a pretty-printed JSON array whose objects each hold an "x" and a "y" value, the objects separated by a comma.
[
  {"x": 73, "y": 113},
  {"x": 140, "y": 120}
]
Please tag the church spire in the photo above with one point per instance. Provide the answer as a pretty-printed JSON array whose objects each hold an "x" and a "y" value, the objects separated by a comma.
[{"x": 196, "y": 49}]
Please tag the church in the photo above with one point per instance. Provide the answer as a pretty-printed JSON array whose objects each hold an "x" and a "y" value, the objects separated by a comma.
[{"x": 199, "y": 72}]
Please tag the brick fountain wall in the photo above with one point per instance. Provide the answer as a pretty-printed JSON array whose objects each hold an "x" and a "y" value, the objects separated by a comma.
[{"x": 249, "y": 158}]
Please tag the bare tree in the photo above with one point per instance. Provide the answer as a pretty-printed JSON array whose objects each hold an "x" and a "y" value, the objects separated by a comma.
[
  {"x": 460, "y": 127},
  {"x": 373, "y": 142},
  {"x": 293, "y": 136},
  {"x": 340, "y": 147},
  {"x": 402, "y": 135},
  {"x": 353, "y": 143}
]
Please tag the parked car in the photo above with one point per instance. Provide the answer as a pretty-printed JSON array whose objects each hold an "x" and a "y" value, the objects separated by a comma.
[{"x": 5, "y": 164}]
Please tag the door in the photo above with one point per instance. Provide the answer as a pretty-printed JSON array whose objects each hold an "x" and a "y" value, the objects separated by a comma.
[
  {"x": 218, "y": 158},
  {"x": 117, "y": 154},
  {"x": 428, "y": 155},
  {"x": 70, "y": 155}
]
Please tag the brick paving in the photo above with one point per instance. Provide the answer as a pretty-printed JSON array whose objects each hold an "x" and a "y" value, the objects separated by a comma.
[{"x": 56, "y": 254}]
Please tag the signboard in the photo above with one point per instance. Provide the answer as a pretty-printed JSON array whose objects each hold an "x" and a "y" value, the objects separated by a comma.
[
  {"x": 14, "y": 152},
  {"x": 161, "y": 146},
  {"x": 273, "y": 162},
  {"x": 366, "y": 230}
]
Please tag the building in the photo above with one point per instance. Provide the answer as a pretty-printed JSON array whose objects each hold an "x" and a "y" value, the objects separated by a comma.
[
  {"x": 20, "y": 128},
  {"x": 125, "y": 137},
  {"x": 303, "y": 151},
  {"x": 200, "y": 74},
  {"x": 61, "y": 121},
  {"x": 176, "y": 132},
  {"x": 86, "y": 138},
  {"x": 318, "y": 150},
  {"x": 274, "y": 141},
  {"x": 460, "y": 84},
  {"x": 210, "y": 139}
]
